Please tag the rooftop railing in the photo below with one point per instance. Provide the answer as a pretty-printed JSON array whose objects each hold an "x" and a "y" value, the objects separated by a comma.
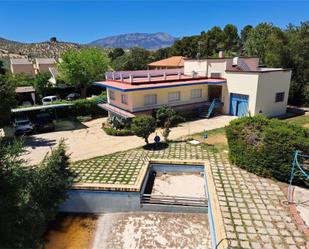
[{"x": 147, "y": 75}]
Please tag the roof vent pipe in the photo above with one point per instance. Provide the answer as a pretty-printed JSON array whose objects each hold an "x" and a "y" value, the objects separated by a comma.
[
  {"x": 235, "y": 61},
  {"x": 113, "y": 75},
  {"x": 221, "y": 53},
  {"x": 131, "y": 78},
  {"x": 121, "y": 77},
  {"x": 164, "y": 75}
]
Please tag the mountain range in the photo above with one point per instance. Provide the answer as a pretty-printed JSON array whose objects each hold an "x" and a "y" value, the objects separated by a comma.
[
  {"x": 54, "y": 48},
  {"x": 150, "y": 41}
]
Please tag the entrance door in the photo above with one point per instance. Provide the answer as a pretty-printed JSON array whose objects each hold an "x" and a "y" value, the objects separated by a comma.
[
  {"x": 214, "y": 92},
  {"x": 238, "y": 104}
]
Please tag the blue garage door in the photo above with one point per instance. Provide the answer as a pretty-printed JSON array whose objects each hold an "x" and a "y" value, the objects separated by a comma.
[{"x": 238, "y": 104}]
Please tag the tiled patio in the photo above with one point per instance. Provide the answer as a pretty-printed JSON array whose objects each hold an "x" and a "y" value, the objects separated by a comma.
[{"x": 253, "y": 214}]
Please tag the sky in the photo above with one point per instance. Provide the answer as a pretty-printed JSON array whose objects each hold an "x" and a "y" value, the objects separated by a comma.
[{"x": 85, "y": 21}]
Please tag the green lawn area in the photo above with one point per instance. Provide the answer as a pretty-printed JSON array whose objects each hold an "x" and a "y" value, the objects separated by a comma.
[{"x": 300, "y": 120}]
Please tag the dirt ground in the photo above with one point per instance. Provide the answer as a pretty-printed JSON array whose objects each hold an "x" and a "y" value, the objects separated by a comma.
[
  {"x": 179, "y": 184},
  {"x": 152, "y": 230},
  {"x": 71, "y": 232}
]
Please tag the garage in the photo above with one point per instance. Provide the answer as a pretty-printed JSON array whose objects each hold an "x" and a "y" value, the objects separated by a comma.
[{"x": 238, "y": 104}]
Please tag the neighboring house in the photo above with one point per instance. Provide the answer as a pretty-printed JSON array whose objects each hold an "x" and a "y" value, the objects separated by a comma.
[
  {"x": 22, "y": 66},
  {"x": 43, "y": 65},
  {"x": 238, "y": 85},
  {"x": 168, "y": 63},
  {"x": 25, "y": 94}
]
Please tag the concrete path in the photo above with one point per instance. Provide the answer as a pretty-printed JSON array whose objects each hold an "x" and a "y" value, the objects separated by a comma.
[{"x": 92, "y": 141}]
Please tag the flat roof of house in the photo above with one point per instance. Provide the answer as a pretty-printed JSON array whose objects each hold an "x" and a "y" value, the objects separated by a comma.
[
  {"x": 45, "y": 60},
  {"x": 24, "y": 89},
  {"x": 20, "y": 61},
  {"x": 174, "y": 61},
  {"x": 187, "y": 81}
]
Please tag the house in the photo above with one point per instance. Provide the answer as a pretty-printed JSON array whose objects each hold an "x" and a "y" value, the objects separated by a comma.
[
  {"x": 235, "y": 86},
  {"x": 44, "y": 64},
  {"x": 168, "y": 63},
  {"x": 25, "y": 94},
  {"x": 22, "y": 65}
]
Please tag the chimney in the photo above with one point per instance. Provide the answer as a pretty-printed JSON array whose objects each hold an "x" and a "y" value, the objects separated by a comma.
[{"x": 221, "y": 53}]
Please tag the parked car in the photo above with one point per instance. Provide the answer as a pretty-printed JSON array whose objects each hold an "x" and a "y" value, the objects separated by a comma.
[
  {"x": 73, "y": 96},
  {"x": 50, "y": 99},
  {"x": 44, "y": 122},
  {"x": 22, "y": 126}
]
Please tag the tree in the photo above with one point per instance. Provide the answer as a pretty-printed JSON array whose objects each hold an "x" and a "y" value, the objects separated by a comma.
[
  {"x": 41, "y": 83},
  {"x": 81, "y": 68},
  {"x": 135, "y": 59},
  {"x": 167, "y": 117},
  {"x": 231, "y": 37},
  {"x": 115, "y": 53},
  {"x": 29, "y": 197},
  {"x": 266, "y": 41},
  {"x": 244, "y": 33},
  {"x": 8, "y": 99},
  {"x": 143, "y": 126},
  {"x": 298, "y": 61}
]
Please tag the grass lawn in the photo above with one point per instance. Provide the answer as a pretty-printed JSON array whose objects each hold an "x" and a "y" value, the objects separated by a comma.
[{"x": 300, "y": 120}]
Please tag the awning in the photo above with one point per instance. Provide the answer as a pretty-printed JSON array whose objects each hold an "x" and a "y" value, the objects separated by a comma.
[
  {"x": 41, "y": 107},
  {"x": 116, "y": 110}
]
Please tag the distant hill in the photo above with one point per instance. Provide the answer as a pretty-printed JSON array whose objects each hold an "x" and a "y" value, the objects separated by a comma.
[
  {"x": 13, "y": 49},
  {"x": 142, "y": 40}
]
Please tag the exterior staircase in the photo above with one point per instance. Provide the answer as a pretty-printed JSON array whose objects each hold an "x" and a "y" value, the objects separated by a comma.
[{"x": 209, "y": 111}]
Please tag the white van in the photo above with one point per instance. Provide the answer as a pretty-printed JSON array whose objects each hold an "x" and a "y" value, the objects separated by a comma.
[{"x": 49, "y": 100}]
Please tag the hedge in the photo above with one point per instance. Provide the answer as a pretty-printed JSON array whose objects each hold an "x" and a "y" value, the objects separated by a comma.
[
  {"x": 265, "y": 146},
  {"x": 82, "y": 107}
]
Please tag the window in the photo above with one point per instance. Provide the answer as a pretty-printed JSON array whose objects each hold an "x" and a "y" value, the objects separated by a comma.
[
  {"x": 279, "y": 97},
  {"x": 173, "y": 96},
  {"x": 150, "y": 99},
  {"x": 124, "y": 99},
  {"x": 111, "y": 94},
  {"x": 196, "y": 93}
]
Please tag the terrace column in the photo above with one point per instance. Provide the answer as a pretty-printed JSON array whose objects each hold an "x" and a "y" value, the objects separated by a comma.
[
  {"x": 164, "y": 75},
  {"x": 121, "y": 77},
  {"x": 149, "y": 77},
  {"x": 179, "y": 75},
  {"x": 130, "y": 78}
]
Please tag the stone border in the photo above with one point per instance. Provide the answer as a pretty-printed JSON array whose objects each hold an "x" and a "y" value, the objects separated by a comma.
[
  {"x": 215, "y": 209},
  {"x": 296, "y": 216}
]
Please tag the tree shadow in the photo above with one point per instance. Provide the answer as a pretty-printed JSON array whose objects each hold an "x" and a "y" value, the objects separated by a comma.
[
  {"x": 35, "y": 142},
  {"x": 154, "y": 146}
]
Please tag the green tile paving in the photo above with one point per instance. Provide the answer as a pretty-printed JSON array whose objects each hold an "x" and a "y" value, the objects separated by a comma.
[
  {"x": 124, "y": 167},
  {"x": 251, "y": 206}
]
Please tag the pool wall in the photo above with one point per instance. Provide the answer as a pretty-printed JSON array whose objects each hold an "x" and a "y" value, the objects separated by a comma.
[{"x": 93, "y": 201}]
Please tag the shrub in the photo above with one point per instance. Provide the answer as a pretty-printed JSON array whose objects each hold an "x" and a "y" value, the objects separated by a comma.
[
  {"x": 81, "y": 107},
  {"x": 113, "y": 132},
  {"x": 143, "y": 126},
  {"x": 265, "y": 146}
]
